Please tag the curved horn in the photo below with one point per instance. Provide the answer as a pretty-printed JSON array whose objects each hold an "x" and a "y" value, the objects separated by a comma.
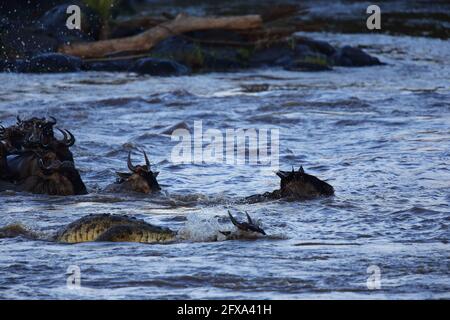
[
  {"x": 52, "y": 122},
  {"x": 147, "y": 162},
  {"x": 18, "y": 119},
  {"x": 130, "y": 165},
  {"x": 282, "y": 174},
  {"x": 72, "y": 139},
  {"x": 2, "y": 129},
  {"x": 248, "y": 218},
  {"x": 67, "y": 141},
  {"x": 64, "y": 133},
  {"x": 234, "y": 221}
]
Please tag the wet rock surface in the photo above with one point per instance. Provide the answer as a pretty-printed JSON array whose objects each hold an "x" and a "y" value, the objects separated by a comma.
[
  {"x": 53, "y": 23},
  {"x": 50, "y": 63},
  {"x": 159, "y": 67},
  {"x": 32, "y": 47},
  {"x": 353, "y": 57}
]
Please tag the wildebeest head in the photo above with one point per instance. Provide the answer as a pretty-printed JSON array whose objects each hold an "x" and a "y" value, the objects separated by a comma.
[
  {"x": 246, "y": 229},
  {"x": 12, "y": 137},
  {"x": 142, "y": 178},
  {"x": 37, "y": 130},
  {"x": 61, "y": 147},
  {"x": 298, "y": 184},
  {"x": 59, "y": 177}
]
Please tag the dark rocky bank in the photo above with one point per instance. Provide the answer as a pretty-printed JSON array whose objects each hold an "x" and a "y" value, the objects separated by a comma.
[{"x": 31, "y": 33}]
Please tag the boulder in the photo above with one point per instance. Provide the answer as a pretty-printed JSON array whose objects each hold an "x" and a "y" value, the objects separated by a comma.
[
  {"x": 200, "y": 57},
  {"x": 22, "y": 41},
  {"x": 159, "y": 67},
  {"x": 51, "y": 63},
  {"x": 321, "y": 47},
  {"x": 53, "y": 23},
  {"x": 276, "y": 55},
  {"x": 353, "y": 57},
  {"x": 120, "y": 65}
]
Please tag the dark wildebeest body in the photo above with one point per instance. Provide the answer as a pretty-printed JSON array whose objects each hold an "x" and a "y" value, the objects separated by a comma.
[
  {"x": 295, "y": 185},
  {"x": 35, "y": 161}
]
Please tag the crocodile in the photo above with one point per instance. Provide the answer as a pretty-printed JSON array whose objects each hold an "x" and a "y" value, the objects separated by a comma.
[{"x": 123, "y": 228}]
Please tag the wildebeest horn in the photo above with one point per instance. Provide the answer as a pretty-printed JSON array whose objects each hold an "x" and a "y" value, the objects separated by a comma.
[
  {"x": 282, "y": 174},
  {"x": 2, "y": 129},
  {"x": 71, "y": 142},
  {"x": 68, "y": 142},
  {"x": 248, "y": 218},
  {"x": 130, "y": 165},
  {"x": 52, "y": 122},
  {"x": 234, "y": 221},
  {"x": 250, "y": 226},
  {"x": 147, "y": 162},
  {"x": 18, "y": 119}
]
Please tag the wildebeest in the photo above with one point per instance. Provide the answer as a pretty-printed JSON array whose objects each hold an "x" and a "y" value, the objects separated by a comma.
[
  {"x": 140, "y": 178},
  {"x": 295, "y": 185},
  {"x": 34, "y": 160}
]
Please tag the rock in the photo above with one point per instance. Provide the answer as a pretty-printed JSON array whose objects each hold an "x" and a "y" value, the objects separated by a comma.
[
  {"x": 28, "y": 9},
  {"x": 353, "y": 57},
  {"x": 8, "y": 66},
  {"x": 51, "y": 63},
  {"x": 20, "y": 41},
  {"x": 299, "y": 65},
  {"x": 277, "y": 55},
  {"x": 53, "y": 23},
  {"x": 199, "y": 57},
  {"x": 224, "y": 59},
  {"x": 159, "y": 67},
  {"x": 309, "y": 58},
  {"x": 322, "y": 47},
  {"x": 121, "y": 65}
]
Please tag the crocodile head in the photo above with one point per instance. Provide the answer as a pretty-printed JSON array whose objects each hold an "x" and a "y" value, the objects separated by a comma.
[{"x": 141, "y": 179}]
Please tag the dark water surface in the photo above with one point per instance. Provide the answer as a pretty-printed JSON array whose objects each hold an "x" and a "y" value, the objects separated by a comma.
[{"x": 379, "y": 135}]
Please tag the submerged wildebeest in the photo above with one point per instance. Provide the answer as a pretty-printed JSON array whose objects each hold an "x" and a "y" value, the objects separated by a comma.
[
  {"x": 34, "y": 160},
  {"x": 295, "y": 185},
  {"x": 122, "y": 228},
  {"x": 140, "y": 178}
]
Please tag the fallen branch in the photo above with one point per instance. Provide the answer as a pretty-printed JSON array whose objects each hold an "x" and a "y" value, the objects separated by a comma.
[{"x": 148, "y": 39}]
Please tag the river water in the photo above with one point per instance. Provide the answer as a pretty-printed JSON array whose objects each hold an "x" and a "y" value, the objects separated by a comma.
[{"x": 379, "y": 135}]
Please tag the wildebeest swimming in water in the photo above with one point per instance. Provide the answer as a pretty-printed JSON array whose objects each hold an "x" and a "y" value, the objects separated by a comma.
[
  {"x": 32, "y": 159},
  {"x": 295, "y": 185},
  {"x": 123, "y": 228},
  {"x": 140, "y": 178}
]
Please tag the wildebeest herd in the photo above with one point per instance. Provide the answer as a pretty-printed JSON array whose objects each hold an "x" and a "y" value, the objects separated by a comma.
[{"x": 33, "y": 159}]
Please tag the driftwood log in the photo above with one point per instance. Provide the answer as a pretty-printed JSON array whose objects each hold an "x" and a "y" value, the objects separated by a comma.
[{"x": 148, "y": 39}]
